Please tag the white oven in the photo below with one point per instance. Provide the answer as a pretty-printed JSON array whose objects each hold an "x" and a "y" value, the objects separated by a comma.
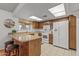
[
  {"x": 45, "y": 34},
  {"x": 45, "y": 38}
]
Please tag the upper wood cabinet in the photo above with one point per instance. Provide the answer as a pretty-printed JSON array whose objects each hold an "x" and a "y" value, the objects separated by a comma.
[
  {"x": 40, "y": 25},
  {"x": 37, "y": 25}
]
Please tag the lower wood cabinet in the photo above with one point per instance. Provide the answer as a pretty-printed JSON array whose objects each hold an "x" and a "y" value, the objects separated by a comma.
[{"x": 30, "y": 48}]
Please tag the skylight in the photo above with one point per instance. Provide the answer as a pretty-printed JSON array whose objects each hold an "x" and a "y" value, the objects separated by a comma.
[
  {"x": 58, "y": 10},
  {"x": 35, "y": 18}
]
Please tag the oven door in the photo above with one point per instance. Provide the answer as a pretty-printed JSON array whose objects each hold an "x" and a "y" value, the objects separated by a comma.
[{"x": 45, "y": 38}]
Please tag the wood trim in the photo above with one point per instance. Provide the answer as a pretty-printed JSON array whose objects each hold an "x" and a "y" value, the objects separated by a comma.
[{"x": 60, "y": 19}]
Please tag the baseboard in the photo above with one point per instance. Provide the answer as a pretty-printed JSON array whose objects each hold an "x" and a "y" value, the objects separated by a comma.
[
  {"x": 72, "y": 48},
  {"x": 60, "y": 47}
]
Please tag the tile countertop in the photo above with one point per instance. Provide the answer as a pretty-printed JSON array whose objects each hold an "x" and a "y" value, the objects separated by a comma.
[{"x": 25, "y": 37}]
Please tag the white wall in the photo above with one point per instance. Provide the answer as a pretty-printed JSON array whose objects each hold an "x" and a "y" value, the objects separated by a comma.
[
  {"x": 77, "y": 33},
  {"x": 3, "y": 30}
]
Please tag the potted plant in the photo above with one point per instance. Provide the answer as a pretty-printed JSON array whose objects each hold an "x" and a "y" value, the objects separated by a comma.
[{"x": 13, "y": 31}]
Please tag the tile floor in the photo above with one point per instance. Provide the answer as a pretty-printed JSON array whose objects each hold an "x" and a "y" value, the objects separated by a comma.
[
  {"x": 50, "y": 50},
  {"x": 2, "y": 53}
]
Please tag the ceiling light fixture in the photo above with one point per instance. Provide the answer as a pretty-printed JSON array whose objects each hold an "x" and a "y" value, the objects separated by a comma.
[
  {"x": 35, "y": 18},
  {"x": 58, "y": 10}
]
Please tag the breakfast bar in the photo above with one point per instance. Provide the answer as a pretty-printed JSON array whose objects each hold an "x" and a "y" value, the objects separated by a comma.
[{"x": 29, "y": 45}]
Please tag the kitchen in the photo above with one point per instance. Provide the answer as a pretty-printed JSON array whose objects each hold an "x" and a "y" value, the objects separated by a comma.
[{"x": 39, "y": 37}]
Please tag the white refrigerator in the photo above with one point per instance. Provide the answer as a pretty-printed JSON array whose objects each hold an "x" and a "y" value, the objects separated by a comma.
[{"x": 61, "y": 34}]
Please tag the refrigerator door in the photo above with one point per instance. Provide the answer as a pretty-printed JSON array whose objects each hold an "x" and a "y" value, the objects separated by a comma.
[
  {"x": 60, "y": 34},
  {"x": 63, "y": 35},
  {"x": 55, "y": 34}
]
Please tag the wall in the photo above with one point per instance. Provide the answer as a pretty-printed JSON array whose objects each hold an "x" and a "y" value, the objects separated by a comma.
[
  {"x": 77, "y": 33},
  {"x": 3, "y": 30}
]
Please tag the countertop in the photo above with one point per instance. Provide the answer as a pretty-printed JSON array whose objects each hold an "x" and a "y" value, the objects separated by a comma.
[{"x": 25, "y": 37}]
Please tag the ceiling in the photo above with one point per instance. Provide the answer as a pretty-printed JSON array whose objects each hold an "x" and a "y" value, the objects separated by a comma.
[
  {"x": 8, "y": 6},
  {"x": 36, "y": 9},
  {"x": 25, "y": 10}
]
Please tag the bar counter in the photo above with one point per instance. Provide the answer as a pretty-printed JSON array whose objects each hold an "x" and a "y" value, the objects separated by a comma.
[{"x": 29, "y": 45}]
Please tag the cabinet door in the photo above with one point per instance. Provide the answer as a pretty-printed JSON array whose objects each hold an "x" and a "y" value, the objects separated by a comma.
[
  {"x": 40, "y": 25},
  {"x": 35, "y": 25}
]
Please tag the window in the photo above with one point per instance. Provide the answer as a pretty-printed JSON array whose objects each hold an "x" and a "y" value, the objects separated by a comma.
[{"x": 24, "y": 28}]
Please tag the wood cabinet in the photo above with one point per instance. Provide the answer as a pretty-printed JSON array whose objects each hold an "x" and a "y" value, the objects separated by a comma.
[
  {"x": 40, "y": 25},
  {"x": 35, "y": 47},
  {"x": 37, "y": 25},
  {"x": 72, "y": 30},
  {"x": 29, "y": 48}
]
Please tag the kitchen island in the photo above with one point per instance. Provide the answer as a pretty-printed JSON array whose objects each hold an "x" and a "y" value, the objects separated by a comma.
[{"x": 29, "y": 45}]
